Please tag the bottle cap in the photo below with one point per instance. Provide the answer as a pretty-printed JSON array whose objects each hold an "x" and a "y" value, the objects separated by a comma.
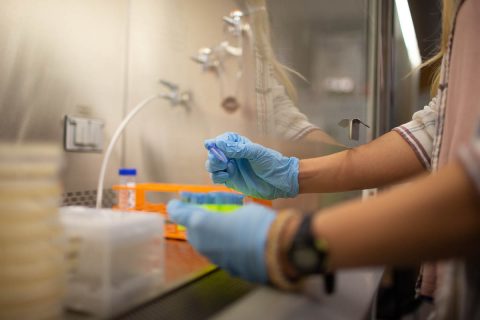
[{"x": 127, "y": 172}]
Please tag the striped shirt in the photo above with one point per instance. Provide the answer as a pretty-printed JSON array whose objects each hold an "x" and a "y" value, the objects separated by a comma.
[
  {"x": 448, "y": 130},
  {"x": 277, "y": 115}
]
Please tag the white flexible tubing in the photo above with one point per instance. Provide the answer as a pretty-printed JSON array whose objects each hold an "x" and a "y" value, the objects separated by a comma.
[{"x": 115, "y": 137}]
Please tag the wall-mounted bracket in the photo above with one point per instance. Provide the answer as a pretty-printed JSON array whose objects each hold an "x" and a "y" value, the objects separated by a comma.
[{"x": 353, "y": 126}]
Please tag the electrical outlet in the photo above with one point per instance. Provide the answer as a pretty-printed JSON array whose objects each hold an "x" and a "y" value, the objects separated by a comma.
[{"x": 83, "y": 134}]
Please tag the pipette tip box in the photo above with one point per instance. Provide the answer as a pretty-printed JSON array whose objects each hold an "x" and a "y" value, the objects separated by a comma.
[{"x": 115, "y": 259}]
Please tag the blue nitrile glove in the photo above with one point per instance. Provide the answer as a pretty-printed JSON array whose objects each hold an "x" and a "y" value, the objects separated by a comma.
[
  {"x": 235, "y": 242},
  {"x": 253, "y": 169}
]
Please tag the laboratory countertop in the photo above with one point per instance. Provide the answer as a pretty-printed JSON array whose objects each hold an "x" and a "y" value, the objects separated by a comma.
[
  {"x": 195, "y": 289},
  {"x": 183, "y": 263},
  {"x": 219, "y": 296},
  {"x": 352, "y": 300}
]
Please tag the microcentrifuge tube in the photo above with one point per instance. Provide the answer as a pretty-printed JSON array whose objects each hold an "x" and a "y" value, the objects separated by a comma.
[{"x": 218, "y": 153}]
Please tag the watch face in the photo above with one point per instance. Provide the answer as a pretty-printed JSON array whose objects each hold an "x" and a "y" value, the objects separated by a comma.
[{"x": 306, "y": 259}]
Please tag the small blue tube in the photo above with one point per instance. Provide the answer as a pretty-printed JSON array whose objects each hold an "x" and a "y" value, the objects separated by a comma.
[
  {"x": 185, "y": 196},
  {"x": 218, "y": 153}
]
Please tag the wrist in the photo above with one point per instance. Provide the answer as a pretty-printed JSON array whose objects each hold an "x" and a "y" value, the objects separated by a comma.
[
  {"x": 306, "y": 253},
  {"x": 294, "y": 253},
  {"x": 286, "y": 238},
  {"x": 306, "y": 172},
  {"x": 294, "y": 180},
  {"x": 306, "y": 168},
  {"x": 278, "y": 267}
]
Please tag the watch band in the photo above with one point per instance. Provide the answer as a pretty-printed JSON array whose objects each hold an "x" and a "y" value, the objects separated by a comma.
[{"x": 309, "y": 255}]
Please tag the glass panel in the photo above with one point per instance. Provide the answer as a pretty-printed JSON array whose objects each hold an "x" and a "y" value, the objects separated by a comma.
[
  {"x": 99, "y": 59},
  {"x": 325, "y": 46},
  {"x": 326, "y": 42},
  {"x": 406, "y": 76}
]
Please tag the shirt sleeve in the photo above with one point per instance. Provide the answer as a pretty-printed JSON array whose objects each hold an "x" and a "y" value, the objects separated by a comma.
[
  {"x": 420, "y": 132},
  {"x": 290, "y": 122}
]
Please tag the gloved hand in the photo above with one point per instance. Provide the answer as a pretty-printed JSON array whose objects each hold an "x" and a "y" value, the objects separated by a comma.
[
  {"x": 235, "y": 242},
  {"x": 253, "y": 169}
]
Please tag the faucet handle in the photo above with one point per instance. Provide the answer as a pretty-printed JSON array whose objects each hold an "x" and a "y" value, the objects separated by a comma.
[
  {"x": 175, "y": 96},
  {"x": 169, "y": 85},
  {"x": 206, "y": 58},
  {"x": 229, "y": 21},
  {"x": 235, "y": 22}
]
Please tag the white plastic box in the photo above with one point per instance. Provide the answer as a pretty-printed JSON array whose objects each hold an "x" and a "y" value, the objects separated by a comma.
[{"x": 116, "y": 259}]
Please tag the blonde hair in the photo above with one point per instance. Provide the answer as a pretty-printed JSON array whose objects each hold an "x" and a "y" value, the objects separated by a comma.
[
  {"x": 448, "y": 7},
  {"x": 262, "y": 34}
]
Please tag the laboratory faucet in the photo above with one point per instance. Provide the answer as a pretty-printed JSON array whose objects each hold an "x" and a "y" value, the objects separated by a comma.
[
  {"x": 175, "y": 96},
  {"x": 207, "y": 59},
  {"x": 235, "y": 23},
  {"x": 212, "y": 58}
]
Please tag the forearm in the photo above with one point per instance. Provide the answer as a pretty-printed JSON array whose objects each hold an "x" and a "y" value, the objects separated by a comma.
[
  {"x": 385, "y": 160},
  {"x": 431, "y": 218}
]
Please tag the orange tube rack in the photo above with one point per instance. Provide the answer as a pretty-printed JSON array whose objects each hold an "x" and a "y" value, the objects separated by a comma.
[{"x": 173, "y": 231}]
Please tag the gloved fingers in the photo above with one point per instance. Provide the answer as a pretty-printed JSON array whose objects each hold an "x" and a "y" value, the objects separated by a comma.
[
  {"x": 213, "y": 164},
  {"x": 183, "y": 213},
  {"x": 231, "y": 143},
  {"x": 208, "y": 143},
  {"x": 239, "y": 150},
  {"x": 227, "y": 136},
  {"x": 220, "y": 177},
  {"x": 231, "y": 168},
  {"x": 232, "y": 137}
]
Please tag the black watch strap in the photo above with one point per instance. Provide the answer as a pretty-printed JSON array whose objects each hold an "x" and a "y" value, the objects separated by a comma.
[{"x": 309, "y": 255}]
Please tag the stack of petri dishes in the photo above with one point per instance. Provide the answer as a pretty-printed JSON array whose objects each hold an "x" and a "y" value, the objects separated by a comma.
[{"x": 32, "y": 267}]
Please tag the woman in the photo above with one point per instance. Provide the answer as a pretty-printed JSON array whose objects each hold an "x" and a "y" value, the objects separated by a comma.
[{"x": 436, "y": 217}]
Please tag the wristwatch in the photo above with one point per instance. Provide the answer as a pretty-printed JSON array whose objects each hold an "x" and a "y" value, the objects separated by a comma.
[{"x": 308, "y": 255}]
